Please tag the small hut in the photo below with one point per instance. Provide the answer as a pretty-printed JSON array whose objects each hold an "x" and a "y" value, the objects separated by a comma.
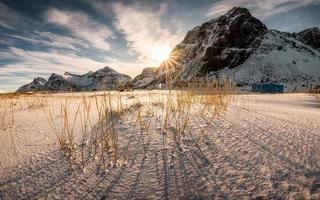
[{"x": 268, "y": 88}]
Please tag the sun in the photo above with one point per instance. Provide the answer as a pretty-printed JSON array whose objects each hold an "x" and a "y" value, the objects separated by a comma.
[{"x": 161, "y": 53}]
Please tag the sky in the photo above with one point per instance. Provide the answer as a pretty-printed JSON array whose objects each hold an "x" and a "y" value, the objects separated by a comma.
[{"x": 41, "y": 37}]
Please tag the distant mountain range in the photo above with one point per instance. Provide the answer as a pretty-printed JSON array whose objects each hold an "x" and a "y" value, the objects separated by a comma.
[
  {"x": 235, "y": 45},
  {"x": 103, "y": 79}
]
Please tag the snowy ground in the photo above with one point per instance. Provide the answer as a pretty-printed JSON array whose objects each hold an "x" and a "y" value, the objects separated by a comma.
[{"x": 263, "y": 147}]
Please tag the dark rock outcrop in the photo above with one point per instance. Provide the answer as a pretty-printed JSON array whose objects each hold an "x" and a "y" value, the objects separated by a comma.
[
  {"x": 226, "y": 41},
  {"x": 109, "y": 79},
  {"x": 59, "y": 83},
  {"x": 145, "y": 78},
  {"x": 310, "y": 37},
  {"x": 38, "y": 84}
]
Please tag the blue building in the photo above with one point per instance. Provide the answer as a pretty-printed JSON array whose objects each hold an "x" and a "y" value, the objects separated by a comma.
[{"x": 268, "y": 88}]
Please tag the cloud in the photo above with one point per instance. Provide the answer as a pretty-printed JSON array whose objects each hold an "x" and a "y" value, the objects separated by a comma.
[
  {"x": 163, "y": 8},
  {"x": 51, "y": 40},
  {"x": 130, "y": 68},
  {"x": 4, "y": 24},
  {"x": 46, "y": 62},
  {"x": 144, "y": 30},
  {"x": 30, "y": 64},
  {"x": 10, "y": 19},
  {"x": 60, "y": 41},
  {"x": 219, "y": 9},
  {"x": 56, "y": 53},
  {"x": 260, "y": 9},
  {"x": 82, "y": 26},
  {"x": 7, "y": 16}
]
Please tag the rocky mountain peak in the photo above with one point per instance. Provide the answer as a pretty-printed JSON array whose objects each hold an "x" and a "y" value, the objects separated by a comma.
[
  {"x": 240, "y": 27},
  {"x": 40, "y": 81},
  {"x": 106, "y": 70},
  {"x": 148, "y": 75},
  {"x": 57, "y": 82},
  {"x": 239, "y": 46},
  {"x": 38, "y": 84},
  {"x": 226, "y": 41},
  {"x": 310, "y": 37},
  {"x": 103, "y": 79},
  {"x": 235, "y": 11}
]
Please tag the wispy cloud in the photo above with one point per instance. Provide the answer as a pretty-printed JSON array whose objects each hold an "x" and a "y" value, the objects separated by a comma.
[
  {"x": 46, "y": 62},
  {"x": 144, "y": 30},
  {"x": 30, "y": 64},
  {"x": 81, "y": 26},
  {"x": 8, "y": 17},
  {"x": 5, "y": 25},
  {"x": 61, "y": 41},
  {"x": 51, "y": 40},
  {"x": 260, "y": 9}
]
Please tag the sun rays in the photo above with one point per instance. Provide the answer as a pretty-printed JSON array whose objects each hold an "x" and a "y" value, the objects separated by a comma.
[{"x": 161, "y": 53}]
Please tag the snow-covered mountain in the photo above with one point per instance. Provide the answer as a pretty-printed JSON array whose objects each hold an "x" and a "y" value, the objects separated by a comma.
[
  {"x": 236, "y": 46},
  {"x": 146, "y": 78},
  {"x": 38, "y": 84},
  {"x": 103, "y": 79},
  {"x": 240, "y": 47}
]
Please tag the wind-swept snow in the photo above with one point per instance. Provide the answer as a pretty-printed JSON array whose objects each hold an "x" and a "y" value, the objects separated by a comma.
[
  {"x": 277, "y": 61},
  {"x": 263, "y": 147},
  {"x": 81, "y": 80}
]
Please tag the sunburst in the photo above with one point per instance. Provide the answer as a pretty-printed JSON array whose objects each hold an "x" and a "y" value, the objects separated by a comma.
[{"x": 161, "y": 53}]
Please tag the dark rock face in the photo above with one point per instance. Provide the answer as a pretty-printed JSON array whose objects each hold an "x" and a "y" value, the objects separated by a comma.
[
  {"x": 145, "y": 78},
  {"x": 310, "y": 37},
  {"x": 226, "y": 41},
  {"x": 59, "y": 83},
  {"x": 108, "y": 79},
  {"x": 235, "y": 37},
  {"x": 239, "y": 29},
  {"x": 38, "y": 84}
]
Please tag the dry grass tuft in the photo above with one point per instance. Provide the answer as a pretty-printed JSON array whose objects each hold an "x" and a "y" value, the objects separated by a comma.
[
  {"x": 7, "y": 118},
  {"x": 99, "y": 138}
]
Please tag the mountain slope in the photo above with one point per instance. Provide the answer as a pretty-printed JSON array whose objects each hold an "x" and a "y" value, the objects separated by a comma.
[
  {"x": 279, "y": 59},
  {"x": 310, "y": 37},
  {"x": 240, "y": 47},
  {"x": 103, "y": 79},
  {"x": 145, "y": 78},
  {"x": 38, "y": 84}
]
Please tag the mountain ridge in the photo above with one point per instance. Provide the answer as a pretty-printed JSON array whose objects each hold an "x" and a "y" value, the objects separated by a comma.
[
  {"x": 235, "y": 45},
  {"x": 103, "y": 79},
  {"x": 239, "y": 46}
]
